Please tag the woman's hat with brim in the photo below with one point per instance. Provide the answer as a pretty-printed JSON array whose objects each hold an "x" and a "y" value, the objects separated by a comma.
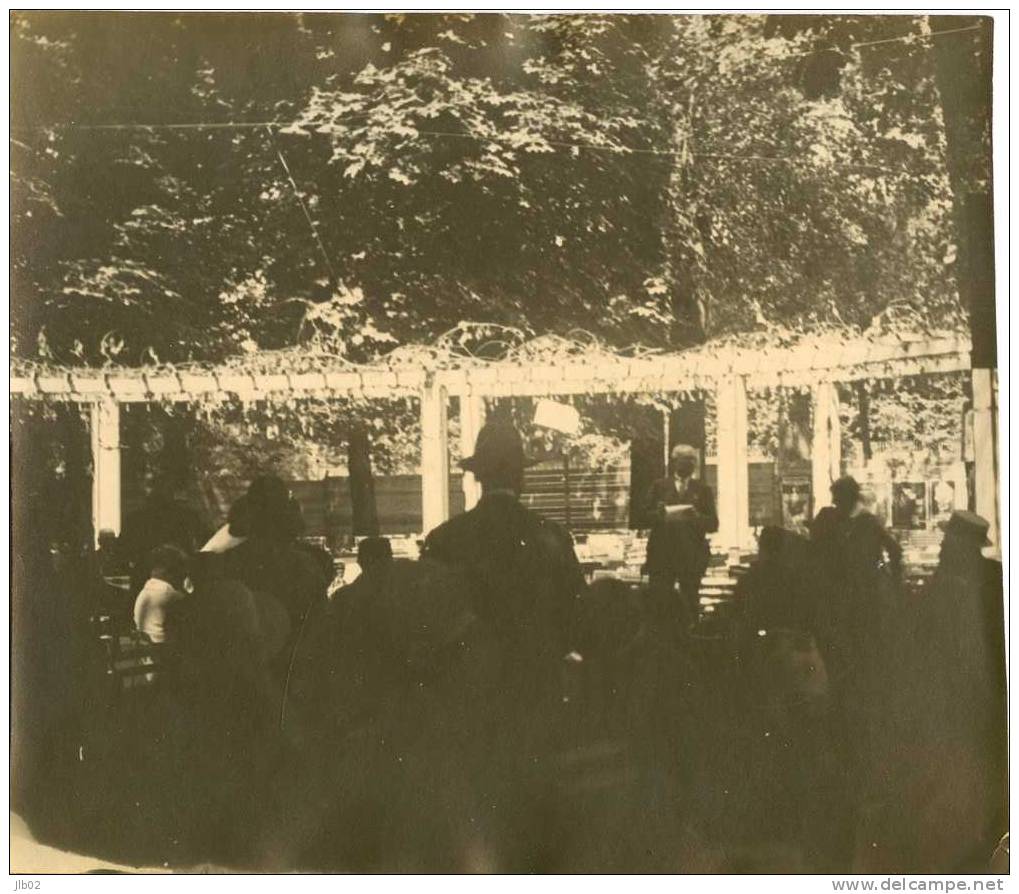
[
  {"x": 222, "y": 541},
  {"x": 266, "y": 510},
  {"x": 967, "y": 525},
  {"x": 498, "y": 449}
]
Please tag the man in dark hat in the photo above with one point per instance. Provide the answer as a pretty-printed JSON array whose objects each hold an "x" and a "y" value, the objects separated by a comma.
[
  {"x": 683, "y": 514},
  {"x": 526, "y": 571},
  {"x": 966, "y": 591},
  {"x": 966, "y": 675},
  {"x": 524, "y": 580}
]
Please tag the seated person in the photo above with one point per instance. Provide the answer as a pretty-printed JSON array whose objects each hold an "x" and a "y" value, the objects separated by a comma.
[{"x": 156, "y": 603}]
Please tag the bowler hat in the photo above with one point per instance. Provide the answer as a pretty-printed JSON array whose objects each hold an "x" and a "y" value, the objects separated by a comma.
[
  {"x": 967, "y": 525},
  {"x": 498, "y": 449}
]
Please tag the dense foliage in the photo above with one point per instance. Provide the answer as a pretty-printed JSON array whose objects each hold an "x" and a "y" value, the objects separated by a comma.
[{"x": 653, "y": 179}]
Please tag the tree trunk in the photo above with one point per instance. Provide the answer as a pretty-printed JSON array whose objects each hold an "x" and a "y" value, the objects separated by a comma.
[
  {"x": 362, "y": 483},
  {"x": 963, "y": 74},
  {"x": 863, "y": 420},
  {"x": 683, "y": 249}
]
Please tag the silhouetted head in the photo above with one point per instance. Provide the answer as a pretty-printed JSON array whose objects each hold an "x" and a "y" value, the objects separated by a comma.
[
  {"x": 683, "y": 460},
  {"x": 845, "y": 493},
  {"x": 770, "y": 543},
  {"x": 169, "y": 563},
  {"x": 498, "y": 461},
  {"x": 374, "y": 553},
  {"x": 965, "y": 535},
  {"x": 267, "y": 511}
]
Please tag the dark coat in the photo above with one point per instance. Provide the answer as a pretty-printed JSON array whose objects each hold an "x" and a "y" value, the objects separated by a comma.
[
  {"x": 388, "y": 703},
  {"x": 777, "y": 594},
  {"x": 680, "y": 547},
  {"x": 852, "y": 549},
  {"x": 858, "y": 566},
  {"x": 522, "y": 570},
  {"x": 966, "y": 601},
  {"x": 285, "y": 570}
]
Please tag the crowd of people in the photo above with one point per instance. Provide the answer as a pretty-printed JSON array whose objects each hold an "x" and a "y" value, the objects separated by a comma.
[{"x": 483, "y": 708}]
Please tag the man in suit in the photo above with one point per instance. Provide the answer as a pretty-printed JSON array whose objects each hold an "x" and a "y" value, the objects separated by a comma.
[
  {"x": 524, "y": 580},
  {"x": 683, "y": 514},
  {"x": 524, "y": 569}
]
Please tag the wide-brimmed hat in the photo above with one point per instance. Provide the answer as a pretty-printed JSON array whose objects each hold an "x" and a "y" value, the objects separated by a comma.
[
  {"x": 967, "y": 525},
  {"x": 266, "y": 510},
  {"x": 498, "y": 449}
]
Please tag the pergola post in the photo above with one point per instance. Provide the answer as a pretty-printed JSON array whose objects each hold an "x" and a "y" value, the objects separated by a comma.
[
  {"x": 434, "y": 457},
  {"x": 985, "y": 488},
  {"x": 105, "y": 440},
  {"x": 733, "y": 473},
  {"x": 472, "y": 417},
  {"x": 826, "y": 444}
]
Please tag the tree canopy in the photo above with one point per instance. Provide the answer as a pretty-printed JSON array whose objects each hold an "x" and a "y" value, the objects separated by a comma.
[{"x": 191, "y": 186}]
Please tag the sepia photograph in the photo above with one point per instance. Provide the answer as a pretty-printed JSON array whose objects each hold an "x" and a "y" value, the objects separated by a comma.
[{"x": 507, "y": 443}]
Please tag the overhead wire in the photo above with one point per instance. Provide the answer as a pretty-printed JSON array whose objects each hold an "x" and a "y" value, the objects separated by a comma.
[
  {"x": 278, "y": 125},
  {"x": 307, "y": 214}
]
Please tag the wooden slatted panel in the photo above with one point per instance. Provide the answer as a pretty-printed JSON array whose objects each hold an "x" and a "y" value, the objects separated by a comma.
[{"x": 599, "y": 499}]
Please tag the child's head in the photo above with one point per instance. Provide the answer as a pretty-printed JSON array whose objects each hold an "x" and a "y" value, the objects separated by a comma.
[{"x": 169, "y": 563}]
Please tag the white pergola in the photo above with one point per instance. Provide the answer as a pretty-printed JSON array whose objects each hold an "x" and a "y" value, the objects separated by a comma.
[{"x": 727, "y": 370}]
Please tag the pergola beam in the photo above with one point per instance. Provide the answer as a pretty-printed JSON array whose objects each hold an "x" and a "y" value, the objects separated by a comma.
[
  {"x": 727, "y": 370},
  {"x": 844, "y": 360}
]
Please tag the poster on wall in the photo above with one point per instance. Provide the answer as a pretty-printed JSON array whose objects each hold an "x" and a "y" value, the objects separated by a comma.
[
  {"x": 942, "y": 501},
  {"x": 909, "y": 505},
  {"x": 796, "y": 504}
]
